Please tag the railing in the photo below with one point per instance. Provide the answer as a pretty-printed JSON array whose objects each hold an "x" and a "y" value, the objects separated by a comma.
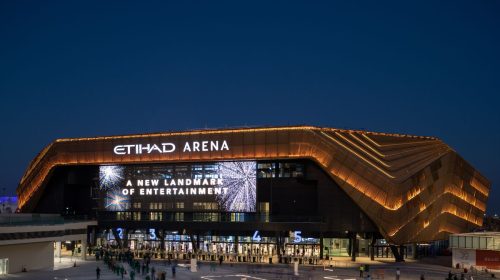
[
  {"x": 30, "y": 219},
  {"x": 222, "y": 218}
]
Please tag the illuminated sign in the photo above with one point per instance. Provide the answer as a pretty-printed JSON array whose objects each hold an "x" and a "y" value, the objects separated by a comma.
[
  {"x": 231, "y": 184},
  {"x": 256, "y": 236},
  {"x": 120, "y": 232},
  {"x": 152, "y": 233},
  {"x": 164, "y": 148},
  {"x": 297, "y": 236}
]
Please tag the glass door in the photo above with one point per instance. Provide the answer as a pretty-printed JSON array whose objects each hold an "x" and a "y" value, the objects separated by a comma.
[{"x": 4, "y": 265}]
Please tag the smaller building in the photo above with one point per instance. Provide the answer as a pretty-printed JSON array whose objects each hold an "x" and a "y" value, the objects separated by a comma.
[
  {"x": 478, "y": 250},
  {"x": 33, "y": 241}
]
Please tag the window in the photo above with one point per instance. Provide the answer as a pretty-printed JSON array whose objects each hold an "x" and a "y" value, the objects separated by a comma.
[
  {"x": 264, "y": 207},
  {"x": 136, "y": 216},
  {"x": 197, "y": 167},
  {"x": 179, "y": 217},
  {"x": 122, "y": 216},
  {"x": 468, "y": 242},
  {"x": 213, "y": 176},
  {"x": 155, "y": 216},
  {"x": 205, "y": 206},
  {"x": 237, "y": 217},
  {"x": 179, "y": 205},
  {"x": 475, "y": 242},
  {"x": 461, "y": 241},
  {"x": 482, "y": 242},
  {"x": 264, "y": 211},
  {"x": 489, "y": 243},
  {"x": 291, "y": 169},
  {"x": 280, "y": 169},
  {"x": 156, "y": 206},
  {"x": 168, "y": 205},
  {"x": 136, "y": 205},
  {"x": 266, "y": 170},
  {"x": 206, "y": 217}
]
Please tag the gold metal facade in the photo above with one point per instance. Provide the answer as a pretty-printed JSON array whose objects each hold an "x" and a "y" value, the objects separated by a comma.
[{"x": 415, "y": 189}]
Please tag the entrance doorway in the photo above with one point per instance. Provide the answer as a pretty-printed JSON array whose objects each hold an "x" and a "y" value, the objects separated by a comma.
[{"x": 4, "y": 266}]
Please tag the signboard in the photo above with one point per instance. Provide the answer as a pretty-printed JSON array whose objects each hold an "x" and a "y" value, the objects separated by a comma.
[
  {"x": 230, "y": 184},
  {"x": 165, "y": 148},
  {"x": 464, "y": 257},
  {"x": 489, "y": 259},
  {"x": 470, "y": 257}
]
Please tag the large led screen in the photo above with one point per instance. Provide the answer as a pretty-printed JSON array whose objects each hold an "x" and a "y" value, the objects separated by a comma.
[{"x": 232, "y": 185}]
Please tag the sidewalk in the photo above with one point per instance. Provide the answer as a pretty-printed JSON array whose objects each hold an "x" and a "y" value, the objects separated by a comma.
[{"x": 231, "y": 271}]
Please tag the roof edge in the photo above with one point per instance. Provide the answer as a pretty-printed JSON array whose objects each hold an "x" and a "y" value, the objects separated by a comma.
[{"x": 237, "y": 129}]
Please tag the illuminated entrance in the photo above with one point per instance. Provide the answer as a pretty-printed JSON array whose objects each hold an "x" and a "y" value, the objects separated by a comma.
[
  {"x": 210, "y": 248},
  {"x": 4, "y": 266}
]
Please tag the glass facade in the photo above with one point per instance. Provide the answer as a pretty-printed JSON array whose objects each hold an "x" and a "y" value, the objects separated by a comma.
[
  {"x": 480, "y": 241},
  {"x": 280, "y": 170}
]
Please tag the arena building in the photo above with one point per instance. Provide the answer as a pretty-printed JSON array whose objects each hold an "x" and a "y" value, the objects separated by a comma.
[{"x": 254, "y": 193}]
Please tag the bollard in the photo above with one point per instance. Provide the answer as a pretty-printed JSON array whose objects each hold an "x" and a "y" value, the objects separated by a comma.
[{"x": 193, "y": 265}]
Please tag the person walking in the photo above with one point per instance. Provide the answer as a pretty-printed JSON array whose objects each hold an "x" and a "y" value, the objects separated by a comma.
[
  {"x": 173, "y": 271},
  {"x": 361, "y": 270},
  {"x": 398, "y": 273},
  {"x": 98, "y": 273}
]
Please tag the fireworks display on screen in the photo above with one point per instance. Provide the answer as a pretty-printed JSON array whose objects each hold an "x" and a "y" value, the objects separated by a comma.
[
  {"x": 240, "y": 179},
  {"x": 110, "y": 176},
  {"x": 115, "y": 201}
]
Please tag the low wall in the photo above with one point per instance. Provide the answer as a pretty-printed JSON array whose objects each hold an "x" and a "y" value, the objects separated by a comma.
[{"x": 32, "y": 256}]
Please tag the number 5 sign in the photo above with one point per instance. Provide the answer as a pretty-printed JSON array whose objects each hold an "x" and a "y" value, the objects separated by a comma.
[{"x": 297, "y": 236}]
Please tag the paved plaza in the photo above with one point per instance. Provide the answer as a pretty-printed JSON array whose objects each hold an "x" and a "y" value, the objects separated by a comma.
[{"x": 208, "y": 271}]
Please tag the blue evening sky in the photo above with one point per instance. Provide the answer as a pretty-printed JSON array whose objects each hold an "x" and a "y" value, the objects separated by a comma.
[{"x": 89, "y": 68}]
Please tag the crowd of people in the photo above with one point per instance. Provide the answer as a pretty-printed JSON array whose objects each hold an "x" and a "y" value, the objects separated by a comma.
[{"x": 122, "y": 263}]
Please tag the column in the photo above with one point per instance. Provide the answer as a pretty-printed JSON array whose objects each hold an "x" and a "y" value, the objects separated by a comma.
[
  {"x": 372, "y": 248},
  {"x": 321, "y": 247},
  {"x": 402, "y": 252},
  {"x": 354, "y": 248},
  {"x": 84, "y": 248},
  {"x": 236, "y": 241},
  {"x": 414, "y": 250},
  {"x": 58, "y": 250}
]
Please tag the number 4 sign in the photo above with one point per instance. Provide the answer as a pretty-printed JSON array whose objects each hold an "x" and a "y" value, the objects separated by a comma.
[{"x": 256, "y": 236}]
